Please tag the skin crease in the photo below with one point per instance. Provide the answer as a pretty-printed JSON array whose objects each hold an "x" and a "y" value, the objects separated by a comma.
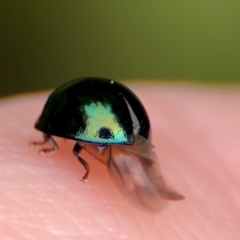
[{"x": 196, "y": 133}]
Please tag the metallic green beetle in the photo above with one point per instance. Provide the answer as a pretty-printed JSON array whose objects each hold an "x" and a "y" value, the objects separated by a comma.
[{"x": 107, "y": 120}]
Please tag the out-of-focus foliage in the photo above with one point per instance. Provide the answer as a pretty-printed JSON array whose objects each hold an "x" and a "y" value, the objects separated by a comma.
[{"x": 45, "y": 43}]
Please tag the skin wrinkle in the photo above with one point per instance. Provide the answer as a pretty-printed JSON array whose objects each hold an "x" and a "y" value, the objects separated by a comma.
[{"x": 196, "y": 138}]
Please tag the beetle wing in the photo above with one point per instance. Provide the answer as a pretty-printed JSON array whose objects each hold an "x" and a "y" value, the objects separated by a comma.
[{"x": 136, "y": 172}]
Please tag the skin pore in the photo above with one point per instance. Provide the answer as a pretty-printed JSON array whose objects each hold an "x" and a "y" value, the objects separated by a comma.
[{"x": 196, "y": 134}]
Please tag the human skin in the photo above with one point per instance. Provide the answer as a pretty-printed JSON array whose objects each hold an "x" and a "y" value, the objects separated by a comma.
[{"x": 196, "y": 134}]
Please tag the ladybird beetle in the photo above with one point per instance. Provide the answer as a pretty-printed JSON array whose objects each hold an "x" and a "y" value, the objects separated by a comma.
[{"x": 107, "y": 120}]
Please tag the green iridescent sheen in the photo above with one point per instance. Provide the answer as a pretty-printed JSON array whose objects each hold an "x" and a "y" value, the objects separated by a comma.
[{"x": 99, "y": 116}]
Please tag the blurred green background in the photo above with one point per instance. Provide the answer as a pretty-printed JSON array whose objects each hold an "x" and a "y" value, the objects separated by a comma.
[{"x": 45, "y": 43}]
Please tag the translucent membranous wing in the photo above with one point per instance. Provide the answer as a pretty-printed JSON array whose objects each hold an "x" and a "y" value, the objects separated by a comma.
[{"x": 136, "y": 172}]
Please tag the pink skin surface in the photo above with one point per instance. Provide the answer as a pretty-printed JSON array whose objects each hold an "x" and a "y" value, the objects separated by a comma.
[{"x": 196, "y": 133}]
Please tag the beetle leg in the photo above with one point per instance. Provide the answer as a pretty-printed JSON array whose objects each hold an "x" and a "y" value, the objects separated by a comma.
[
  {"x": 39, "y": 143},
  {"x": 93, "y": 150},
  {"x": 77, "y": 148},
  {"x": 46, "y": 138}
]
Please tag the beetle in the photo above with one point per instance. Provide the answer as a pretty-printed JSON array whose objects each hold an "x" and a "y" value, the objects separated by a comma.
[{"x": 107, "y": 120}]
